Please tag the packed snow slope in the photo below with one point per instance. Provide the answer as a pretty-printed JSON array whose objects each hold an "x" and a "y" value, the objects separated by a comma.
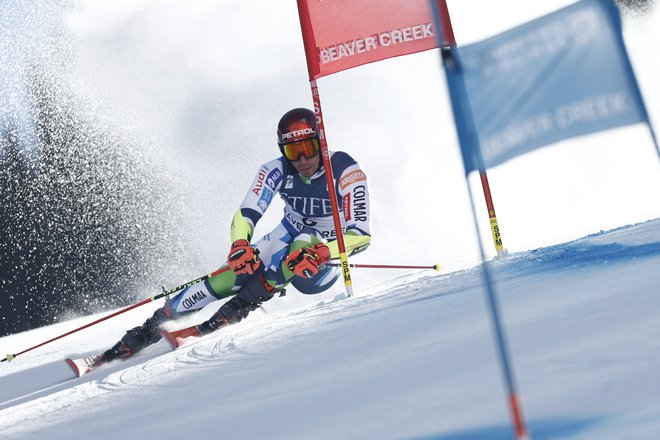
[{"x": 411, "y": 359}]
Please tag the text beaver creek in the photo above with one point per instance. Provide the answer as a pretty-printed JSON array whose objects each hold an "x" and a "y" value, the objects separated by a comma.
[{"x": 383, "y": 39}]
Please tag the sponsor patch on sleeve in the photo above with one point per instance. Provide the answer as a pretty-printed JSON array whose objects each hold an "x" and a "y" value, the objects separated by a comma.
[
  {"x": 261, "y": 176},
  {"x": 354, "y": 176},
  {"x": 265, "y": 199},
  {"x": 274, "y": 178},
  {"x": 346, "y": 202}
]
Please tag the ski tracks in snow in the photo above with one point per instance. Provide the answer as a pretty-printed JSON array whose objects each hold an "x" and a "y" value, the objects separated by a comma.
[{"x": 54, "y": 392}]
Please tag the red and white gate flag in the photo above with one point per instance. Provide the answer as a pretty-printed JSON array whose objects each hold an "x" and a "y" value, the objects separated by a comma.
[{"x": 340, "y": 34}]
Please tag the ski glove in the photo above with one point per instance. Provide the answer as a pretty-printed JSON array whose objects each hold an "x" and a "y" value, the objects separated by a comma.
[
  {"x": 306, "y": 262},
  {"x": 243, "y": 258}
]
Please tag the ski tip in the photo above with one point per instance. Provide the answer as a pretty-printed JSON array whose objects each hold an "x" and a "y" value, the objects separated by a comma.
[
  {"x": 177, "y": 337},
  {"x": 71, "y": 363},
  {"x": 170, "y": 339},
  {"x": 84, "y": 365}
]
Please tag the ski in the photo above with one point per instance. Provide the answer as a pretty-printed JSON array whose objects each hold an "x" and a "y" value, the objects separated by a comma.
[
  {"x": 176, "y": 338},
  {"x": 84, "y": 365}
]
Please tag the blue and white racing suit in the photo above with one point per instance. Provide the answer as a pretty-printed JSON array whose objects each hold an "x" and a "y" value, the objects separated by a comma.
[
  {"x": 308, "y": 210},
  {"x": 307, "y": 219}
]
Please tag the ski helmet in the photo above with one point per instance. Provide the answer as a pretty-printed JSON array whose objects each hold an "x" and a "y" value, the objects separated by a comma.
[{"x": 297, "y": 134}]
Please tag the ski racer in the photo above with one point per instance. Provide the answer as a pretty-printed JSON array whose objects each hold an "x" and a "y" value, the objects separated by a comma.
[{"x": 294, "y": 252}]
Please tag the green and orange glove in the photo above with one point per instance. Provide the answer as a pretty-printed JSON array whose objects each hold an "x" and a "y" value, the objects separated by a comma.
[{"x": 305, "y": 262}]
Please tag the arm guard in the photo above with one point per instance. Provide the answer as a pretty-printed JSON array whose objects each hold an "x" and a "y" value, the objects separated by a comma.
[
  {"x": 354, "y": 244},
  {"x": 240, "y": 228}
]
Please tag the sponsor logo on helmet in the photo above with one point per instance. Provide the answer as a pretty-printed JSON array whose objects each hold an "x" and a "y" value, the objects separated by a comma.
[{"x": 297, "y": 133}]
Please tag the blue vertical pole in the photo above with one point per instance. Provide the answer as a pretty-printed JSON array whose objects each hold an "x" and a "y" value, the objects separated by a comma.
[
  {"x": 615, "y": 18},
  {"x": 473, "y": 161}
]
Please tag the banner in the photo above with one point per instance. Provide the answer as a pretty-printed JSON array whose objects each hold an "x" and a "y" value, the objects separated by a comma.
[
  {"x": 564, "y": 75},
  {"x": 341, "y": 34}
]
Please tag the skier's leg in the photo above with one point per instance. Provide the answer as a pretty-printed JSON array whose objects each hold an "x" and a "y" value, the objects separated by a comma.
[
  {"x": 325, "y": 276},
  {"x": 139, "y": 337},
  {"x": 269, "y": 279},
  {"x": 252, "y": 290},
  {"x": 320, "y": 282},
  {"x": 255, "y": 291},
  {"x": 191, "y": 299}
]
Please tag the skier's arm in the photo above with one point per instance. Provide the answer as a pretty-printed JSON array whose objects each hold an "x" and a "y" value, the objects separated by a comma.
[
  {"x": 353, "y": 190},
  {"x": 242, "y": 257},
  {"x": 265, "y": 185},
  {"x": 354, "y": 244},
  {"x": 241, "y": 227}
]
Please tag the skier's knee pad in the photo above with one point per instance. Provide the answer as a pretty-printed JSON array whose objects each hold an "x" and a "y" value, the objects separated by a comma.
[
  {"x": 236, "y": 309},
  {"x": 254, "y": 292},
  {"x": 320, "y": 282},
  {"x": 257, "y": 290},
  {"x": 140, "y": 337}
]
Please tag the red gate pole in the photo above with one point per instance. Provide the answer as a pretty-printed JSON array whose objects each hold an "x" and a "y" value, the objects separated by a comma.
[
  {"x": 345, "y": 267},
  {"x": 448, "y": 37}
]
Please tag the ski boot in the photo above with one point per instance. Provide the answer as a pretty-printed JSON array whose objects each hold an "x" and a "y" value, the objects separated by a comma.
[
  {"x": 137, "y": 338},
  {"x": 256, "y": 291}
]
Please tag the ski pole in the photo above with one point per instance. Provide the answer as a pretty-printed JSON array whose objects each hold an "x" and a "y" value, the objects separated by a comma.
[
  {"x": 10, "y": 357},
  {"x": 437, "y": 267}
]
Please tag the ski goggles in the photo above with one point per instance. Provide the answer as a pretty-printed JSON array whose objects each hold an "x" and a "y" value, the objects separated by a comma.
[{"x": 306, "y": 147}]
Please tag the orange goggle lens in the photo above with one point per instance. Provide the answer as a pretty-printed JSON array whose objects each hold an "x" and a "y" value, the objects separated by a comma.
[{"x": 306, "y": 147}]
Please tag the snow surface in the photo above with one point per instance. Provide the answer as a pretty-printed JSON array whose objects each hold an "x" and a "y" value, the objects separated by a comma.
[{"x": 410, "y": 359}]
